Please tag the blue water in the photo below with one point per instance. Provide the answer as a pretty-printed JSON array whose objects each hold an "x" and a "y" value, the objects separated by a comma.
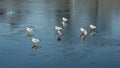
[{"x": 99, "y": 51}]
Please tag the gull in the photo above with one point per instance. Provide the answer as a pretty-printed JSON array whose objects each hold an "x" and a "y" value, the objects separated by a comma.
[
  {"x": 64, "y": 19},
  {"x": 84, "y": 33},
  {"x": 92, "y": 26},
  {"x": 58, "y": 28},
  {"x": 35, "y": 40},
  {"x": 29, "y": 30},
  {"x": 92, "y": 31}
]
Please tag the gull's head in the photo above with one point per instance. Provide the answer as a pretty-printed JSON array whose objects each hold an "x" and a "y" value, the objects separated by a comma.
[
  {"x": 29, "y": 30},
  {"x": 92, "y": 26},
  {"x": 82, "y": 29},
  {"x": 35, "y": 40},
  {"x": 58, "y": 28},
  {"x": 64, "y": 19}
]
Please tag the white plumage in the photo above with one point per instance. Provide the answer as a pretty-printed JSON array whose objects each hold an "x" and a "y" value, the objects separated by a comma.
[
  {"x": 58, "y": 28},
  {"x": 92, "y": 26},
  {"x": 64, "y": 19},
  {"x": 83, "y": 31},
  {"x": 35, "y": 40},
  {"x": 29, "y": 30}
]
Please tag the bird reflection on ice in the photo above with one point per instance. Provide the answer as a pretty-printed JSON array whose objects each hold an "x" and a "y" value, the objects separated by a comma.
[
  {"x": 35, "y": 47},
  {"x": 58, "y": 35},
  {"x": 29, "y": 36}
]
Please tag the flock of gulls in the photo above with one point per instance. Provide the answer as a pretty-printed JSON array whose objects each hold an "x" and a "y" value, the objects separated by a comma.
[
  {"x": 59, "y": 29},
  {"x": 84, "y": 31},
  {"x": 34, "y": 40}
]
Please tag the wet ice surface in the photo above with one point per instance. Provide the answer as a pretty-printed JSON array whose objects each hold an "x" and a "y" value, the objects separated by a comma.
[{"x": 99, "y": 51}]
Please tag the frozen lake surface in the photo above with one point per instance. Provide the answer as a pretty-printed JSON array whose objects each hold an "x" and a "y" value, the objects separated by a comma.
[{"x": 99, "y": 51}]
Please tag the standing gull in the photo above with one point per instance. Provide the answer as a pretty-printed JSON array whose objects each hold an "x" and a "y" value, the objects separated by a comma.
[
  {"x": 29, "y": 30},
  {"x": 64, "y": 19},
  {"x": 58, "y": 28},
  {"x": 84, "y": 33},
  {"x": 92, "y": 29},
  {"x": 35, "y": 40}
]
